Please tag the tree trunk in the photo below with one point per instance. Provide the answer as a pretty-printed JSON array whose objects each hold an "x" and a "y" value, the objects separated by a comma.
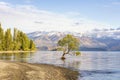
[
  {"x": 64, "y": 52},
  {"x": 63, "y": 56},
  {"x": 68, "y": 51}
]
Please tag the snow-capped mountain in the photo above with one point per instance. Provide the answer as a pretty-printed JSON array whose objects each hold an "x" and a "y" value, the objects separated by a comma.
[
  {"x": 111, "y": 33},
  {"x": 106, "y": 39}
]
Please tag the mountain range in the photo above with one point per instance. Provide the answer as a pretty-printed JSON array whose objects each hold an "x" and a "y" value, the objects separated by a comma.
[{"x": 95, "y": 40}]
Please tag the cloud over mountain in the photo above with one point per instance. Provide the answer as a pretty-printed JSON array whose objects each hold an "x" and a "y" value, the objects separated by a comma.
[{"x": 30, "y": 18}]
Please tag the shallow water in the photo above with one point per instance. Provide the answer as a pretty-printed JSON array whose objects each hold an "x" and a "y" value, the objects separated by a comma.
[{"x": 91, "y": 65}]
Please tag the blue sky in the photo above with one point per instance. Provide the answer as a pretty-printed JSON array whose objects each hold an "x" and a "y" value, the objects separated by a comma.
[{"x": 72, "y": 14}]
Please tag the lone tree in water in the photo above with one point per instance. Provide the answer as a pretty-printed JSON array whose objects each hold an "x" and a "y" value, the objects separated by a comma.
[{"x": 67, "y": 44}]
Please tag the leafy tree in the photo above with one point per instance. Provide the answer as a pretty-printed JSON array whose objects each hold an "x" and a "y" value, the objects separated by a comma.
[
  {"x": 15, "y": 34},
  {"x": 22, "y": 41},
  {"x": 1, "y": 38},
  {"x": 8, "y": 40},
  {"x": 19, "y": 40},
  {"x": 25, "y": 42},
  {"x": 32, "y": 45},
  {"x": 15, "y": 44},
  {"x": 67, "y": 44}
]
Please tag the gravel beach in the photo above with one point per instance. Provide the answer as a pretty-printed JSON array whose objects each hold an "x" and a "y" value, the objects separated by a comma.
[{"x": 26, "y": 71}]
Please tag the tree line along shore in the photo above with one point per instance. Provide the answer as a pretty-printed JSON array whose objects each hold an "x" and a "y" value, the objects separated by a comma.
[{"x": 17, "y": 41}]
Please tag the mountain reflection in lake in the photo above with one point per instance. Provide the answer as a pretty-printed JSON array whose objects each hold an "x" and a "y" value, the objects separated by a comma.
[{"x": 91, "y": 65}]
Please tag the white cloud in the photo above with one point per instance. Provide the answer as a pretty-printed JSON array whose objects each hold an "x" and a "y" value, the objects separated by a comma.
[
  {"x": 28, "y": 18},
  {"x": 116, "y": 3}
]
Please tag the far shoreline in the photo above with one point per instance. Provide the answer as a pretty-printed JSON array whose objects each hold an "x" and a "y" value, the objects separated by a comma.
[{"x": 14, "y": 51}]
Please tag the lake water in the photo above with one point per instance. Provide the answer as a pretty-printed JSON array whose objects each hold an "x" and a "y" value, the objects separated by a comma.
[{"x": 91, "y": 65}]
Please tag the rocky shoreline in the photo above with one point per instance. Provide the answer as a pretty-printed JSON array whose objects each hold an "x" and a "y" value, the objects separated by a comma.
[{"x": 25, "y": 71}]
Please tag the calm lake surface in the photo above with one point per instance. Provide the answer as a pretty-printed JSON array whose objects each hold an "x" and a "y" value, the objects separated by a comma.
[{"x": 91, "y": 65}]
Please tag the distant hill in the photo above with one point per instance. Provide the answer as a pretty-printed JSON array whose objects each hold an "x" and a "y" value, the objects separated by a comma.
[{"x": 97, "y": 40}]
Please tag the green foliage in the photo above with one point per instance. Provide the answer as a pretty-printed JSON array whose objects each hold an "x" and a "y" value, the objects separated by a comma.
[
  {"x": 25, "y": 42},
  {"x": 19, "y": 41},
  {"x": 15, "y": 42},
  {"x": 32, "y": 45},
  {"x": 1, "y": 38},
  {"x": 8, "y": 40},
  {"x": 59, "y": 49},
  {"x": 77, "y": 53},
  {"x": 68, "y": 43}
]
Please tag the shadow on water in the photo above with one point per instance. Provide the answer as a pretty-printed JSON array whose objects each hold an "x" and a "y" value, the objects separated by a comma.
[{"x": 71, "y": 65}]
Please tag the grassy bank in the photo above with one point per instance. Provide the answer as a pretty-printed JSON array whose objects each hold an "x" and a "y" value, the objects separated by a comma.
[
  {"x": 25, "y": 71},
  {"x": 15, "y": 51}
]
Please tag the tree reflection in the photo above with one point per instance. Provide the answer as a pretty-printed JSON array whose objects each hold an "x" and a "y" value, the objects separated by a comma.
[
  {"x": 71, "y": 64},
  {"x": 21, "y": 57}
]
